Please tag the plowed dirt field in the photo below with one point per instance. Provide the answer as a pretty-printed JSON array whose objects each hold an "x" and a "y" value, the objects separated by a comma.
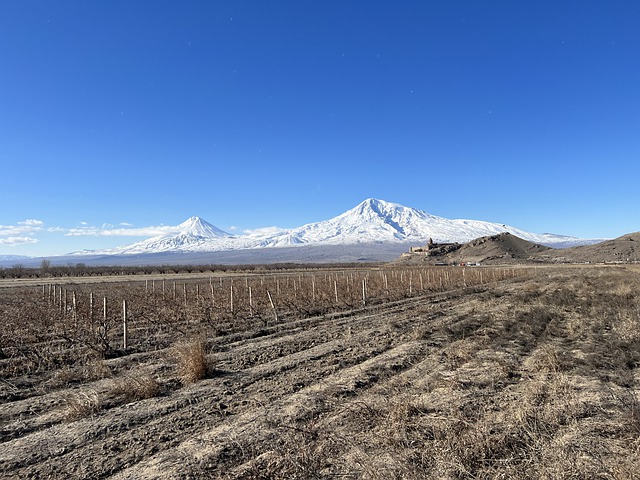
[{"x": 521, "y": 378}]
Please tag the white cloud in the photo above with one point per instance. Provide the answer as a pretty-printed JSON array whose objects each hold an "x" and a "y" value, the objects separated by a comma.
[
  {"x": 108, "y": 230},
  {"x": 32, "y": 223},
  {"x": 13, "y": 241},
  {"x": 26, "y": 227},
  {"x": 263, "y": 232}
]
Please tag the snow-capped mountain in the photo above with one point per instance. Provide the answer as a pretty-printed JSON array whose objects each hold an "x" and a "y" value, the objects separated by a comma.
[
  {"x": 194, "y": 234},
  {"x": 372, "y": 221},
  {"x": 375, "y": 221}
]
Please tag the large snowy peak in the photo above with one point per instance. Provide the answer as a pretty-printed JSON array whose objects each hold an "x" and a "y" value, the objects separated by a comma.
[
  {"x": 369, "y": 222},
  {"x": 375, "y": 221}
]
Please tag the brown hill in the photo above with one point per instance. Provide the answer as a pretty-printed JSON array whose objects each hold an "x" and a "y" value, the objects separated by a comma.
[
  {"x": 623, "y": 249},
  {"x": 501, "y": 248},
  {"x": 494, "y": 249}
]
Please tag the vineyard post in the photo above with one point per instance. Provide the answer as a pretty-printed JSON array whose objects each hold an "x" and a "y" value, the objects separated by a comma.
[
  {"x": 43, "y": 291},
  {"x": 273, "y": 307},
  {"x": 65, "y": 302},
  {"x": 146, "y": 286},
  {"x": 364, "y": 294},
  {"x": 124, "y": 324},
  {"x": 163, "y": 289},
  {"x": 174, "y": 290},
  {"x": 231, "y": 297},
  {"x": 250, "y": 303},
  {"x": 75, "y": 310},
  {"x": 104, "y": 316},
  {"x": 335, "y": 289},
  {"x": 153, "y": 287},
  {"x": 184, "y": 293},
  {"x": 91, "y": 307},
  {"x": 313, "y": 288}
]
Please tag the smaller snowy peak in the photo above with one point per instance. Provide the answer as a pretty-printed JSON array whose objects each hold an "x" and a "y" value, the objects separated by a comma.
[{"x": 198, "y": 227}]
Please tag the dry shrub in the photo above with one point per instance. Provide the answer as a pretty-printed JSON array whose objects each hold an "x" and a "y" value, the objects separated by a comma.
[
  {"x": 135, "y": 387},
  {"x": 192, "y": 363},
  {"x": 82, "y": 404},
  {"x": 546, "y": 358}
]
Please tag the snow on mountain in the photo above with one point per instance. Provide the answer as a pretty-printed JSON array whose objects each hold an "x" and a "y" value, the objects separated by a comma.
[
  {"x": 194, "y": 234},
  {"x": 372, "y": 221}
]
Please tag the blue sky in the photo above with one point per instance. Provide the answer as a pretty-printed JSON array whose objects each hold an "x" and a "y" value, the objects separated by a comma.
[{"x": 119, "y": 117}]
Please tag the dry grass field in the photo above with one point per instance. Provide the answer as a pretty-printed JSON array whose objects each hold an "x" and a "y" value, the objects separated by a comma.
[{"x": 429, "y": 373}]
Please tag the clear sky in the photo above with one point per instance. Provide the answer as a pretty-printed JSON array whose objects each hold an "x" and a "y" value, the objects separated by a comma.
[{"x": 117, "y": 117}]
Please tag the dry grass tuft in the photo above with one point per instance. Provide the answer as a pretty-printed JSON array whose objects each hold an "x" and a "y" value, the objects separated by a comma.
[
  {"x": 192, "y": 362},
  {"x": 82, "y": 404},
  {"x": 135, "y": 387},
  {"x": 94, "y": 370}
]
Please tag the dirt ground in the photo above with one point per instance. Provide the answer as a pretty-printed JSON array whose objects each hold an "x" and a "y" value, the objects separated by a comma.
[{"x": 533, "y": 377}]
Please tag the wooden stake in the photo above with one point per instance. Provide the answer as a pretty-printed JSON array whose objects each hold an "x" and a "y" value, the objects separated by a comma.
[
  {"x": 104, "y": 316},
  {"x": 124, "y": 324},
  {"x": 75, "y": 310},
  {"x": 275, "y": 314}
]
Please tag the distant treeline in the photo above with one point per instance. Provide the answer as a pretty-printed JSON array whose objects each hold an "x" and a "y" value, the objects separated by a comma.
[{"x": 46, "y": 270}]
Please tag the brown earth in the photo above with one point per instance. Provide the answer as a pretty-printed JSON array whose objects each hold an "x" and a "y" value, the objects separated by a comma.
[{"x": 533, "y": 377}]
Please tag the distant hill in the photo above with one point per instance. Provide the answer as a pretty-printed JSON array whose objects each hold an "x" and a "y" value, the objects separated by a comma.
[
  {"x": 500, "y": 248},
  {"x": 623, "y": 249},
  {"x": 507, "y": 248}
]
